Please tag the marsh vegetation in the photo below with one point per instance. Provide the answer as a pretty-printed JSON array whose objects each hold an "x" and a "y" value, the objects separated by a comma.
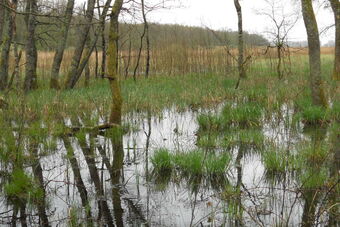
[{"x": 183, "y": 133}]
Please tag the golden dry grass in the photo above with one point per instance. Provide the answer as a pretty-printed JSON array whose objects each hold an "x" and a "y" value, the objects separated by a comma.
[{"x": 173, "y": 59}]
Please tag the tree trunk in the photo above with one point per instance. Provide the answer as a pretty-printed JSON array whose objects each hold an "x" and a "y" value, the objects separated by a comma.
[
  {"x": 87, "y": 67},
  {"x": 147, "y": 38},
  {"x": 112, "y": 58},
  {"x": 6, "y": 46},
  {"x": 2, "y": 19},
  {"x": 318, "y": 94},
  {"x": 16, "y": 53},
  {"x": 335, "y": 4},
  {"x": 139, "y": 53},
  {"x": 71, "y": 78},
  {"x": 103, "y": 63},
  {"x": 240, "y": 60},
  {"x": 31, "y": 49},
  {"x": 58, "y": 57}
]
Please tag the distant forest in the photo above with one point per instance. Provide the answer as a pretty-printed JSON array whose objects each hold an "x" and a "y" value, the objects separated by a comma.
[{"x": 160, "y": 35}]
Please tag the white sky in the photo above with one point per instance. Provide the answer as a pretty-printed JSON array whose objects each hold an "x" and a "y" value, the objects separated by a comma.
[{"x": 221, "y": 14}]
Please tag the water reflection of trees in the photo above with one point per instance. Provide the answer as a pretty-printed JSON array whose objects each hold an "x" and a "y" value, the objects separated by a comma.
[{"x": 283, "y": 198}]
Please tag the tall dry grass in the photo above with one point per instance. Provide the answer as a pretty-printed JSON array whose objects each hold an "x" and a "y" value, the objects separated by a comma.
[{"x": 170, "y": 60}]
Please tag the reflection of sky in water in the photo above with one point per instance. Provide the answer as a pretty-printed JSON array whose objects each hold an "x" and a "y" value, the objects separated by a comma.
[{"x": 173, "y": 205}]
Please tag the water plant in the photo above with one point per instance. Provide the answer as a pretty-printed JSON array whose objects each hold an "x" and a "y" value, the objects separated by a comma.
[
  {"x": 162, "y": 160},
  {"x": 242, "y": 115}
]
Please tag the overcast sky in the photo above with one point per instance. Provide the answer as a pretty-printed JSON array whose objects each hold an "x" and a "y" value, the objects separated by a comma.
[{"x": 220, "y": 14}]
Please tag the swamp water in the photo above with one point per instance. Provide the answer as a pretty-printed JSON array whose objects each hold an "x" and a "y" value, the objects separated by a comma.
[{"x": 263, "y": 182}]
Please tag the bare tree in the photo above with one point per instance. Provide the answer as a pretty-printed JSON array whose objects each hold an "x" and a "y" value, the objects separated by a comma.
[
  {"x": 316, "y": 83},
  {"x": 282, "y": 24},
  {"x": 240, "y": 60},
  {"x": 335, "y": 4},
  {"x": 58, "y": 57}
]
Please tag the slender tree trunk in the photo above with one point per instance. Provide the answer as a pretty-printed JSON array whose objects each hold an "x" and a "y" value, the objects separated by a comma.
[
  {"x": 71, "y": 78},
  {"x": 58, "y": 57},
  {"x": 31, "y": 49},
  {"x": 139, "y": 53},
  {"x": 87, "y": 67},
  {"x": 6, "y": 46},
  {"x": 335, "y": 4},
  {"x": 147, "y": 38},
  {"x": 129, "y": 59},
  {"x": 112, "y": 71},
  {"x": 240, "y": 60},
  {"x": 96, "y": 62},
  {"x": 103, "y": 63},
  {"x": 279, "y": 64},
  {"x": 16, "y": 53},
  {"x": 2, "y": 19},
  {"x": 316, "y": 83},
  {"x": 88, "y": 51}
]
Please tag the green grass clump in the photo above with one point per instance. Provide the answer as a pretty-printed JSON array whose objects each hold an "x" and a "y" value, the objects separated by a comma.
[
  {"x": 250, "y": 137},
  {"x": 257, "y": 94},
  {"x": 207, "y": 141},
  {"x": 22, "y": 187},
  {"x": 312, "y": 178},
  {"x": 243, "y": 115},
  {"x": 315, "y": 155},
  {"x": 162, "y": 160},
  {"x": 208, "y": 122},
  {"x": 192, "y": 163},
  {"x": 335, "y": 111},
  {"x": 310, "y": 114},
  {"x": 314, "y": 115},
  {"x": 217, "y": 165},
  {"x": 274, "y": 162}
]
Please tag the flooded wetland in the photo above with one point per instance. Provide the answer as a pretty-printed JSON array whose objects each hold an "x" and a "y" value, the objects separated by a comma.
[{"x": 248, "y": 157}]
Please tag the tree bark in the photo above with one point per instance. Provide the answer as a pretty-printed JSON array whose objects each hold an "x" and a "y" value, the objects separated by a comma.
[
  {"x": 335, "y": 4},
  {"x": 112, "y": 58},
  {"x": 316, "y": 83},
  {"x": 87, "y": 67},
  {"x": 147, "y": 38},
  {"x": 103, "y": 63},
  {"x": 240, "y": 60},
  {"x": 139, "y": 53},
  {"x": 58, "y": 57},
  {"x": 6, "y": 46},
  {"x": 31, "y": 49},
  {"x": 2, "y": 19},
  {"x": 71, "y": 78}
]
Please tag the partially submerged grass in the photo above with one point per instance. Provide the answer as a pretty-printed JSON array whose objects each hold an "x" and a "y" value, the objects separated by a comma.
[
  {"x": 192, "y": 163},
  {"x": 162, "y": 161},
  {"x": 242, "y": 115}
]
